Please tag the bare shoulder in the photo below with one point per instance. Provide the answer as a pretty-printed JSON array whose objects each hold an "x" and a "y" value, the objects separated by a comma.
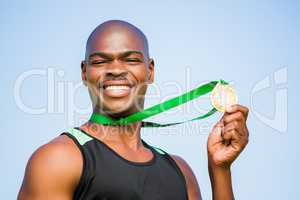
[
  {"x": 55, "y": 166},
  {"x": 183, "y": 165},
  {"x": 191, "y": 181},
  {"x": 59, "y": 154}
]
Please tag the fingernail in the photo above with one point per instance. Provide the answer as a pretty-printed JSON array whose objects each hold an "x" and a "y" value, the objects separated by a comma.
[{"x": 229, "y": 108}]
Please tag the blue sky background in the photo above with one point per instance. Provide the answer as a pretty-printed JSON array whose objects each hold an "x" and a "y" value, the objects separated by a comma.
[{"x": 192, "y": 42}]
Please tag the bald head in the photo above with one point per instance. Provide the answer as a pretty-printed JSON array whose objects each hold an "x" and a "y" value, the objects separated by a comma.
[{"x": 117, "y": 36}]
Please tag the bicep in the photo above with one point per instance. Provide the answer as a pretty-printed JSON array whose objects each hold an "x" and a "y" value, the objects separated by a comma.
[
  {"x": 48, "y": 176},
  {"x": 39, "y": 184},
  {"x": 193, "y": 188}
]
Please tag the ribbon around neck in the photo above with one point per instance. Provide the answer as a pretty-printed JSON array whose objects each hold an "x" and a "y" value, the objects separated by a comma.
[{"x": 161, "y": 107}]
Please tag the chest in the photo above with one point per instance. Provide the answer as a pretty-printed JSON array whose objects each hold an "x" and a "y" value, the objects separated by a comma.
[{"x": 114, "y": 179}]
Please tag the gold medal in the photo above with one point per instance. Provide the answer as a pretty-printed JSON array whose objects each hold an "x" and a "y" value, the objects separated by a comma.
[{"x": 222, "y": 97}]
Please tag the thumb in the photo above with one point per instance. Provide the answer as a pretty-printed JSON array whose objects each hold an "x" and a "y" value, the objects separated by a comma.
[{"x": 215, "y": 135}]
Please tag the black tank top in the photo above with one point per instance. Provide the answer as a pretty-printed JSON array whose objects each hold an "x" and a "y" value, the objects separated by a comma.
[{"x": 108, "y": 176}]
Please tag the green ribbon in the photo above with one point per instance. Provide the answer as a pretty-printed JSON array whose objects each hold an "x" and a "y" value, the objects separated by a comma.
[{"x": 159, "y": 108}]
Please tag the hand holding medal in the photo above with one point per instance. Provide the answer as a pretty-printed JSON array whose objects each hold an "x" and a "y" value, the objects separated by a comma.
[{"x": 230, "y": 135}]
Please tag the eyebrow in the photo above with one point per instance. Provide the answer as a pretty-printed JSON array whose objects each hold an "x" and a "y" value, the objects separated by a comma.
[{"x": 109, "y": 56}]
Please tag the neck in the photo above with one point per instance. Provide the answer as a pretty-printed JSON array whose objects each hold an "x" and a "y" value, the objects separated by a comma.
[
  {"x": 119, "y": 114},
  {"x": 128, "y": 135}
]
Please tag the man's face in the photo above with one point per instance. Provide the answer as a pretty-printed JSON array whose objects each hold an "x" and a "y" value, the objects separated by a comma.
[{"x": 116, "y": 71}]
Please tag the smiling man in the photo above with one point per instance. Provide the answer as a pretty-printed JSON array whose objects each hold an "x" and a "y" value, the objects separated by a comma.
[{"x": 101, "y": 162}]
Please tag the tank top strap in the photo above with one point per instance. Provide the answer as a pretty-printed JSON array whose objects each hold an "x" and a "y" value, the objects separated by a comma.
[
  {"x": 159, "y": 150},
  {"x": 80, "y": 137}
]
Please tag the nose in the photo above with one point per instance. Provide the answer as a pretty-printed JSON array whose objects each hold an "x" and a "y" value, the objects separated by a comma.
[{"x": 116, "y": 69}]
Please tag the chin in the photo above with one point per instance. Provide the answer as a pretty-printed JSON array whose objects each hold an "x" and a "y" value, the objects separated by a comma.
[{"x": 119, "y": 108}]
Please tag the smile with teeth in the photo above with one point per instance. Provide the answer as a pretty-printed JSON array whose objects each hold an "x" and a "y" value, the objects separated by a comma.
[
  {"x": 117, "y": 87},
  {"x": 116, "y": 90}
]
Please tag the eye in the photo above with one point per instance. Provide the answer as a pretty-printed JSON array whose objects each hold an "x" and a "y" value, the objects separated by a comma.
[
  {"x": 97, "y": 62},
  {"x": 134, "y": 60}
]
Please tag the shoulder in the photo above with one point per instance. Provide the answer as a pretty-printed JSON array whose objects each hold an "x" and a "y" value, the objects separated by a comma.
[
  {"x": 58, "y": 152},
  {"x": 59, "y": 155},
  {"x": 56, "y": 165},
  {"x": 183, "y": 165},
  {"x": 190, "y": 178}
]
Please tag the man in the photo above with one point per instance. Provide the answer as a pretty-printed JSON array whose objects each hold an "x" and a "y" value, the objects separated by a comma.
[{"x": 113, "y": 162}]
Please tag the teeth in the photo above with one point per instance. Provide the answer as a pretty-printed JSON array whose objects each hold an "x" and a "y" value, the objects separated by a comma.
[{"x": 117, "y": 87}]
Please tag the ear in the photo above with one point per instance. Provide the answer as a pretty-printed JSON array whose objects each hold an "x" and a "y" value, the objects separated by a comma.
[
  {"x": 83, "y": 72},
  {"x": 151, "y": 71}
]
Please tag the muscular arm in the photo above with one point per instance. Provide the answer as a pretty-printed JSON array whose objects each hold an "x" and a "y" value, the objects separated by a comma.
[
  {"x": 221, "y": 185},
  {"x": 220, "y": 181},
  {"x": 225, "y": 142},
  {"x": 191, "y": 181},
  {"x": 52, "y": 172}
]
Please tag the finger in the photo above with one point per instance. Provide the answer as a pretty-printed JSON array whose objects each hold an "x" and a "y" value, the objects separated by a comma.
[
  {"x": 236, "y": 136},
  {"x": 237, "y": 116},
  {"x": 229, "y": 136},
  {"x": 237, "y": 107},
  {"x": 233, "y": 138},
  {"x": 215, "y": 134},
  {"x": 235, "y": 125}
]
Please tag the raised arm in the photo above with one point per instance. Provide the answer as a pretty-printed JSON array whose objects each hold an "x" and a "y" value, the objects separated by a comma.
[
  {"x": 226, "y": 141},
  {"x": 52, "y": 172}
]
